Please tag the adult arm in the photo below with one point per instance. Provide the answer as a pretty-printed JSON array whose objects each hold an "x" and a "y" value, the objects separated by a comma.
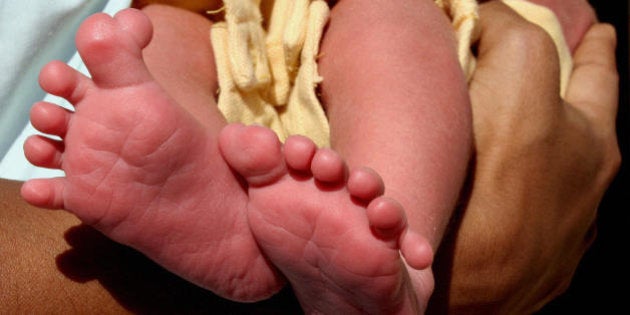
[
  {"x": 541, "y": 168},
  {"x": 34, "y": 257}
]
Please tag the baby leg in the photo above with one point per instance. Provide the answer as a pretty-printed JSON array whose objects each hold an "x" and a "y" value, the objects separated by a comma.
[
  {"x": 397, "y": 101},
  {"x": 333, "y": 237},
  {"x": 140, "y": 168}
]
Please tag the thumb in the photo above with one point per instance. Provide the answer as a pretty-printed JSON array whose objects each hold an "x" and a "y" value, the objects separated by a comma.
[{"x": 593, "y": 86}]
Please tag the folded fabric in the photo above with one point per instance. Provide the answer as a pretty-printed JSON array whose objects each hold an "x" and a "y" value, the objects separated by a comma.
[{"x": 273, "y": 84}]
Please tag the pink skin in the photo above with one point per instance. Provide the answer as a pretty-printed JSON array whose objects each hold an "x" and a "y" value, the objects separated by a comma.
[
  {"x": 397, "y": 100},
  {"x": 139, "y": 168},
  {"x": 333, "y": 236}
]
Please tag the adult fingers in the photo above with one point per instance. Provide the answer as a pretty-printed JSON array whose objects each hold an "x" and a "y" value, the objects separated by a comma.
[
  {"x": 514, "y": 56},
  {"x": 593, "y": 87},
  {"x": 516, "y": 84}
]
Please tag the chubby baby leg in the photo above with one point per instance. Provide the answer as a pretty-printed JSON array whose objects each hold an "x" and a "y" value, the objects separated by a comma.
[{"x": 397, "y": 101}]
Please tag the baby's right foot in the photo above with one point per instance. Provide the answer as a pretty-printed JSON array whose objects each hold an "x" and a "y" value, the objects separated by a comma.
[
  {"x": 140, "y": 168},
  {"x": 335, "y": 239}
]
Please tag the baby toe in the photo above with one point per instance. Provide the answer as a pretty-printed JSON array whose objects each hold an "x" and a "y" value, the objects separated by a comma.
[
  {"x": 43, "y": 193},
  {"x": 365, "y": 184},
  {"x": 43, "y": 152},
  {"x": 50, "y": 118},
  {"x": 328, "y": 166},
  {"x": 299, "y": 152}
]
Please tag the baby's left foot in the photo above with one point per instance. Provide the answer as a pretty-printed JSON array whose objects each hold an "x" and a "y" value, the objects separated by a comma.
[{"x": 332, "y": 236}]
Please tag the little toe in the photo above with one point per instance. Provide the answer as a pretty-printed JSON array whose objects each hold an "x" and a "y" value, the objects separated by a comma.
[
  {"x": 43, "y": 193},
  {"x": 299, "y": 152},
  {"x": 416, "y": 250},
  {"x": 365, "y": 184},
  {"x": 112, "y": 50},
  {"x": 50, "y": 118},
  {"x": 328, "y": 166},
  {"x": 254, "y": 152},
  {"x": 43, "y": 152}
]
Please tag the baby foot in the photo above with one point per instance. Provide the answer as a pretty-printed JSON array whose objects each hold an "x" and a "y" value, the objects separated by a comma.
[
  {"x": 333, "y": 237},
  {"x": 140, "y": 168}
]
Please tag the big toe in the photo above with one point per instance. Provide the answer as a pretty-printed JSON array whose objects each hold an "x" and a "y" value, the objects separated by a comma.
[
  {"x": 111, "y": 47},
  {"x": 254, "y": 152}
]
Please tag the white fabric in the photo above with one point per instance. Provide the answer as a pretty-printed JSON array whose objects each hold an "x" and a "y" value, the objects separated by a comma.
[{"x": 32, "y": 33}]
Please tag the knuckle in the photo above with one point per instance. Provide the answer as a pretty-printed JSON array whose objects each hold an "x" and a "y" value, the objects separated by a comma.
[
  {"x": 605, "y": 29},
  {"x": 610, "y": 156},
  {"x": 613, "y": 162},
  {"x": 531, "y": 43}
]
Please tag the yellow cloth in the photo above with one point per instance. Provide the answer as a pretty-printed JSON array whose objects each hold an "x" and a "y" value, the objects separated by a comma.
[
  {"x": 267, "y": 64},
  {"x": 274, "y": 84}
]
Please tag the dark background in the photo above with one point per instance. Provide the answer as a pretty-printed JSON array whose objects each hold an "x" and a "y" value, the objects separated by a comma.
[{"x": 602, "y": 282}]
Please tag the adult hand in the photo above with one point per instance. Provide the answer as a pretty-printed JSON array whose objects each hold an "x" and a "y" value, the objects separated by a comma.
[{"x": 542, "y": 166}]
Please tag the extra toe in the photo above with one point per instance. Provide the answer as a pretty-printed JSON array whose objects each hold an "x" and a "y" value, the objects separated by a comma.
[{"x": 112, "y": 48}]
